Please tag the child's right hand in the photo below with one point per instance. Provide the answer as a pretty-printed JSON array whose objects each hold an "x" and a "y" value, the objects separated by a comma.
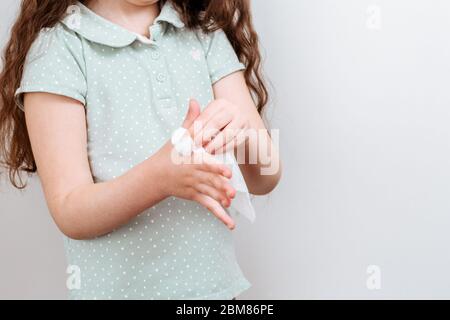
[{"x": 205, "y": 181}]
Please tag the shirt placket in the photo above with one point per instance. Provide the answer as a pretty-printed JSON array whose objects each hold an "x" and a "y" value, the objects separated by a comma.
[{"x": 161, "y": 84}]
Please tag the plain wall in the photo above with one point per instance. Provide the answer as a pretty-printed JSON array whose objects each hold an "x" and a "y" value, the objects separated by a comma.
[{"x": 362, "y": 104}]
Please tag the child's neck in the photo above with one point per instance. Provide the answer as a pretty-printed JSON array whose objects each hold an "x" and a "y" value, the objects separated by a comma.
[{"x": 135, "y": 18}]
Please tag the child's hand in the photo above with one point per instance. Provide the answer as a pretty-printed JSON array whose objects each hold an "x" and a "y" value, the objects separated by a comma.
[
  {"x": 222, "y": 126},
  {"x": 205, "y": 181}
]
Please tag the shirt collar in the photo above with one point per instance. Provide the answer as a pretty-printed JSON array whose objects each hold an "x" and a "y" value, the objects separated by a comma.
[
  {"x": 95, "y": 28},
  {"x": 170, "y": 15}
]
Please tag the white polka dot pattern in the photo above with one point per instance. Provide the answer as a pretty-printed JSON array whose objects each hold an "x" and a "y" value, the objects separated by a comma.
[{"x": 135, "y": 94}]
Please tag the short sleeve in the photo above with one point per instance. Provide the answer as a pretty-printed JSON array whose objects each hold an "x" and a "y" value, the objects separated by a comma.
[
  {"x": 54, "y": 64},
  {"x": 220, "y": 55}
]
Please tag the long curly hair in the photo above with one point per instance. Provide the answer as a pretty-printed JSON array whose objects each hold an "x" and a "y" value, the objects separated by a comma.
[{"x": 233, "y": 16}]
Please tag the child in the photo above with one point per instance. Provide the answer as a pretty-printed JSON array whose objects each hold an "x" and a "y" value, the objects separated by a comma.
[{"x": 91, "y": 93}]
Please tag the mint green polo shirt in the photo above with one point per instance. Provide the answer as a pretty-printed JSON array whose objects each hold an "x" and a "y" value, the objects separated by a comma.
[{"x": 135, "y": 92}]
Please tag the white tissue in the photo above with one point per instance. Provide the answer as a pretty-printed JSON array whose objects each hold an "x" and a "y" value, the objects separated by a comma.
[{"x": 241, "y": 204}]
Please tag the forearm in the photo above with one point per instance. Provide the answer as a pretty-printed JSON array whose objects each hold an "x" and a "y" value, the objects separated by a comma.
[
  {"x": 262, "y": 168},
  {"x": 93, "y": 210}
]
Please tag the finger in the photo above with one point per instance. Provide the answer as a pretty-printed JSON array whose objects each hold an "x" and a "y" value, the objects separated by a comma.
[
  {"x": 204, "y": 118},
  {"x": 220, "y": 197},
  {"x": 218, "y": 182},
  {"x": 206, "y": 158},
  {"x": 212, "y": 128},
  {"x": 215, "y": 181},
  {"x": 232, "y": 143},
  {"x": 220, "y": 169},
  {"x": 192, "y": 114},
  {"x": 209, "y": 159},
  {"x": 215, "y": 208},
  {"x": 225, "y": 137}
]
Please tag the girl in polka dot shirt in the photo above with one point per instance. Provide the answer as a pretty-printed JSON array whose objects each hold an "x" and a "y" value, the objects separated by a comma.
[{"x": 91, "y": 92}]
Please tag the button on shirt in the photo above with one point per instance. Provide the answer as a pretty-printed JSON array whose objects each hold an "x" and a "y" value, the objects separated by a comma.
[{"x": 135, "y": 91}]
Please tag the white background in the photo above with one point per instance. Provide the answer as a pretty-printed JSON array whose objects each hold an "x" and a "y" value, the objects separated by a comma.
[{"x": 362, "y": 105}]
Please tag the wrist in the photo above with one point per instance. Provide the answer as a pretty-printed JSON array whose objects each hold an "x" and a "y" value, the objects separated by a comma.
[{"x": 160, "y": 163}]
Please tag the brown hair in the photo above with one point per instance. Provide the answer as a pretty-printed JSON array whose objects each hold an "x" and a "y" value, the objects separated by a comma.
[{"x": 233, "y": 16}]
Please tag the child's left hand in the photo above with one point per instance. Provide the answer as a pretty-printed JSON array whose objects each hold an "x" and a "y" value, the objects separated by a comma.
[{"x": 222, "y": 126}]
